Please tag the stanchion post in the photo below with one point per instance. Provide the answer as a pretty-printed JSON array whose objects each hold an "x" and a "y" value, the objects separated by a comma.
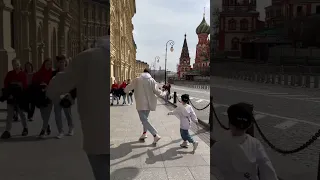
[
  {"x": 175, "y": 97},
  {"x": 210, "y": 114}
]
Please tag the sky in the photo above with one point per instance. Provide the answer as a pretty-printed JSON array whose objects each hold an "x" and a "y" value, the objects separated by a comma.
[{"x": 158, "y": 21}]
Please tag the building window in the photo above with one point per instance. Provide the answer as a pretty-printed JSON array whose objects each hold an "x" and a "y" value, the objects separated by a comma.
[
  {"x": 232, "y": 24},
  {"x": 318, "y": 10},
  {"x": 235, "y": 44},
  {"x": 244, "y": 24}
]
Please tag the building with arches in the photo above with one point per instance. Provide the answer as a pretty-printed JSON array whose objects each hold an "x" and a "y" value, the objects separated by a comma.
[
  {"x": 122, "y": 44},
  {"x": 33, "y": 30},
  {"x": 140, "y": 66}
]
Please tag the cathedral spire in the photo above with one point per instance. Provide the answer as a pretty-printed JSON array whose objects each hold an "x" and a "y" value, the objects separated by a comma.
[
  {"x": 204, "y": 12},
  {"x": 185, "y": 49}
]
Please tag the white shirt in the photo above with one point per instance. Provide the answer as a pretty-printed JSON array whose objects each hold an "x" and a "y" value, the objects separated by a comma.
[
  {"x": 145, "y": 91},
  {"x": 88, "y": 73},
  {"x": 186, "y": 114},
  {"x": 238, "y": 157}
]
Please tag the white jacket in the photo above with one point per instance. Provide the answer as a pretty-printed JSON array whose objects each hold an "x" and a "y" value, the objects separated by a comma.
[
  {"x": 88, "y": 73},
  {"x": 145, "y": 91},
  {"x": 238, "y": 157},
  {"x": 186, "y": 114}
]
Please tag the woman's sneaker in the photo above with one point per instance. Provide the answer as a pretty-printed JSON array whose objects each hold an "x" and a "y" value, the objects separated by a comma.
[
  {"x": 185, "y": 144},
  {"x": 70, "y": 133},
  {"x": 143, "y": 137},
  {"x": 60, "y": 135},
  {"x": 25, "y": 132},
  {"x": 42, "y": 134},
  {"x": 195, "y": 146},
  {"x": 6, "y": 135},
  {"x": 48, "y": 130},
  {"x": 156, "y": 139}
]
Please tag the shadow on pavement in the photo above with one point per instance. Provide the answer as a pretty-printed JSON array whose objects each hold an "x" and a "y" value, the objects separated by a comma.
[
  {"x": 125, "y": 148},
  {"x": 17, "y": 139},
  {"x": 125, "y": 173},
  {"x": 169, "y": 155}
]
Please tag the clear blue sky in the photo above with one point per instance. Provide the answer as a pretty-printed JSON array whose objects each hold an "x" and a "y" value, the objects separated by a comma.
[{"x": 158, "y": 21}]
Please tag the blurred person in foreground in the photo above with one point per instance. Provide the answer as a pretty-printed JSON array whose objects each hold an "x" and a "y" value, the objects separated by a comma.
[
  {"x": 241, "y": 156},
  {"x": 88, "y": 70},
  {"x": 146, "y": 89}
]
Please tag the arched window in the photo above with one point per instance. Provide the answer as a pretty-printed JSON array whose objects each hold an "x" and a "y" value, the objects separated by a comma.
[
  {"x": 244, "y": 24},
  {"x": 235, "y": 44},
  {"x": 232, "y": 24}
]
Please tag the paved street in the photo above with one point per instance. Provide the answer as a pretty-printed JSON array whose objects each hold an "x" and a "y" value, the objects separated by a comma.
[
  {"x": 133, "y": 160},
  {"x": 28, "y": 158},
  {"x": 287, "y": 116}
]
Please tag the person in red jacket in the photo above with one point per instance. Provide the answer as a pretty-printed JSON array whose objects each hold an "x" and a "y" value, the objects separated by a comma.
[
  {"x": 17, "y": 77},
  {"x": 123, "y": 94},
  {"x": 43, "y": 77},
  {"x": 115, "y": 92}
]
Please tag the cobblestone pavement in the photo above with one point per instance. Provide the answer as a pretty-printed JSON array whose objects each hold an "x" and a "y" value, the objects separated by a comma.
[
  {"x": 287, "y": 116},
  {"x": 28, "y": 158},
  {"x": 133, "y": 160}
]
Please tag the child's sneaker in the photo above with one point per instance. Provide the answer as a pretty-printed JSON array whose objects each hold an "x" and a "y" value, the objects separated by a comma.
[
  {"x": 156, "y": 139},
  {"x": 185, "y": 144},
  {"x": 195, "y": 146}
]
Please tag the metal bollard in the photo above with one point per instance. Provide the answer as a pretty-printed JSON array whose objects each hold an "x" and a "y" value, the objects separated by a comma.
[
  {"x": 211, "y": 114},
  {"x": 175, "y": 97}
]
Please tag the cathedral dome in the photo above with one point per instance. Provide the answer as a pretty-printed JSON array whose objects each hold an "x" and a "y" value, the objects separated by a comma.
[{"x": 203, "y": 27}]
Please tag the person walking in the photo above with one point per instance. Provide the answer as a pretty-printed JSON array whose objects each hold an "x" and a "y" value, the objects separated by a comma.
[
  {"x": 167, "y": 87},
  {"x": 88, "y": 73},
  {"x": 115, "y": 92},
  {"x": 146, "y": 89},
  {"x": 16, "y": 78},
  {"x": 41, "y": 80},
  {"x": 186, "y": 114},
  {"x": 28, "y": 69},
  {"x": 123, "y": 94},
  {"x": 130, "y": 94},
  {"x": 61, "y": 65},
  {"x": 241, "y": 156}
]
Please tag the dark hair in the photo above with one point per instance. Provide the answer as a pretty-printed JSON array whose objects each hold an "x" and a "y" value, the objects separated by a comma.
[
  {"x": 241, "y": 115},
  {"x": 185, "y": 98},
  {"x": 25, "y": 66},
  {"x": 146, "y": 70},
  {"x": 60, "y": 58}
]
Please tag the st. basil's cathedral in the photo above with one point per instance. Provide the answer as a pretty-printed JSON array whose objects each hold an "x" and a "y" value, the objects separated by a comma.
[{"x": 202, "y": 58}]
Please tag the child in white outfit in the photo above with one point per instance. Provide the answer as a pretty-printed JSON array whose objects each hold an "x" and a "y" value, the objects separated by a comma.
[
  {"x": 241, "y": 156},
  {"x": 186, "y": 114}
]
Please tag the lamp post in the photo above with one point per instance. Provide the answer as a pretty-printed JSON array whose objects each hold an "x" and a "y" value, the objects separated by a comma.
[
  {"x": 171, "y": 42},
  {"x": 156, "y": 60}
]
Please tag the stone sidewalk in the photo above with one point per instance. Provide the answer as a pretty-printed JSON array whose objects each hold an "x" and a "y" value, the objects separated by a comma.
[
  {"x": 134, "y": 160},
  {"x": 28, "y": 158}
]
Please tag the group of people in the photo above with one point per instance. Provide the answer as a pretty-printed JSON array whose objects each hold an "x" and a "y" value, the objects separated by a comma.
[
  {"x": 24, "y": 90},
  {"x": 117, "y": 91}
]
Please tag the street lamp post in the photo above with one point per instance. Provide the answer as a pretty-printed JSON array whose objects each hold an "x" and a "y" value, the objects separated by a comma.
[
  {"x": 171, "y": 42},
  {"x": 156, "y": 60}
]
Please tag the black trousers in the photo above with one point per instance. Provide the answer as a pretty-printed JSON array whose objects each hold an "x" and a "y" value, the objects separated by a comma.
[{"x": 31, "y": 110}]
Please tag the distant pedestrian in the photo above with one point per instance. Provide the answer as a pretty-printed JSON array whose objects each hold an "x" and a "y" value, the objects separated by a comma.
[
  {"x": 41, "y": 80},
  {"x": 115, "y": 92},
  {"x": 15, "y": 83},
  {"x": 146, "y": 89},
  {"x": 186, "y": 115},
  {"x": 130, "y": 94},
  {"x": 123, "y": 94},
  {"x": 167, "y": 87},
  {"x": 28, "y": 68},
  {"x": 87, "y": 72},
  {"x": 241, "y": 156}
]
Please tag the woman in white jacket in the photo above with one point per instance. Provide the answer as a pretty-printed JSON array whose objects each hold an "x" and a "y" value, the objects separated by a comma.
[
  {"x": 241, "y": 156},
  {"x": 146, "y": 90}
]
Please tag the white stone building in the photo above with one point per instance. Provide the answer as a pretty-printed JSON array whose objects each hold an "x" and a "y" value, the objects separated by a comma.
[{"x": 34, "y": 30}]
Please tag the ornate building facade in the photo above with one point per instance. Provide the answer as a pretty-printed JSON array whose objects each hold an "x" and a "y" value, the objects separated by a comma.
[
  {"x": 184, "y": 62},
  {"x": 140, "y": 66},
  {"x": 33, "y": 30},
  {"x": 202, "y": 60},
  {"x": 123, "y": 47}
]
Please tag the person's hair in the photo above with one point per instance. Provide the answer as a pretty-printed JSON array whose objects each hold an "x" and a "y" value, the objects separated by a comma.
[
  {"x": 241, "y": 115},
  {"x": 28, "y": 64},
  {"x": 61, "y": 58},
  {"x": 146, "y": 70},
  {"x": 15, "y": 60},
  {"x": 185, "y": 98}
]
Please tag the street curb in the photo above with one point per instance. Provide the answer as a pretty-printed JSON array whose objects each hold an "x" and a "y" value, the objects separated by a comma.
[{"x": 206, "y": 125}]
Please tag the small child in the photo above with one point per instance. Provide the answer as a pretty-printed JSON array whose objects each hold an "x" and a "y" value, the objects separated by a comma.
[
  {"x": 186, "y": 114},
  {"x": 241, "y": 156}
]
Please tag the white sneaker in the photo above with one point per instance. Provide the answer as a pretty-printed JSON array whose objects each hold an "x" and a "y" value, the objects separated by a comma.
[
  {"x": 185, "y": 144},
  {"x": 143, "y": 137},
  {"x": 70, "y": 133},
  {"x": 131, "y": 103},
  {"x": 156, "y": 139},
  {"x": 60, "y": 136},
  {"x": 195, "y": 146}
]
